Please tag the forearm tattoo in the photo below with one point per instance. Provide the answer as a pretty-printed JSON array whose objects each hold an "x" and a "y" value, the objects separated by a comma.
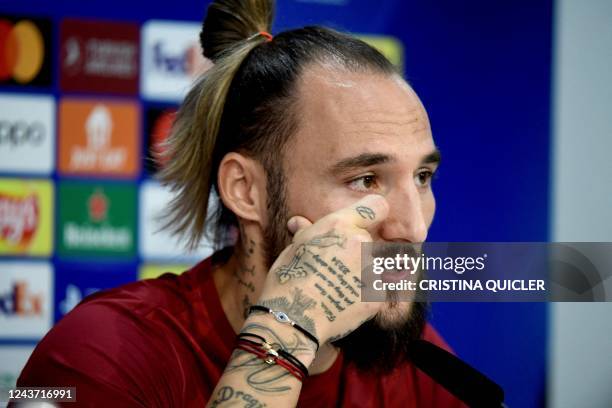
[{"x": 230, "y": 397}]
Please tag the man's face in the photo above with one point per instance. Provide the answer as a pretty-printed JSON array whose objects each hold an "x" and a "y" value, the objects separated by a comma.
[{"x": 361, "y": 134}]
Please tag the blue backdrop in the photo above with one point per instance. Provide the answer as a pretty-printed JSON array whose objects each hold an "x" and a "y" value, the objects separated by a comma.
[{"x": 482, "y": 69}]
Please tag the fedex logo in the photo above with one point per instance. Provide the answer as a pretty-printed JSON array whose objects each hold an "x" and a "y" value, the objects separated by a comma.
[
  {"x": 171, "y": 59},
  {"x": 180, "y": 64},
  {"x": 26, "y": 294},
  {"x": 21, "y": 301}
]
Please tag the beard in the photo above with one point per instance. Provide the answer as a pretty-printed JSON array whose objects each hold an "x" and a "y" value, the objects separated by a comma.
[
  {"x": 384, "y": 342},
  {"x": 378, "y": 345}
]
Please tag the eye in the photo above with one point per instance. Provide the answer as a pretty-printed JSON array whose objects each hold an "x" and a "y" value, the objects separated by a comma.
[
  {"x": 423, "y": 178},
  {"x": 364, "y": 183}
]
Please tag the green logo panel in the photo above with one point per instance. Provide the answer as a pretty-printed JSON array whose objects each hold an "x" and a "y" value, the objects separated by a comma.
[{"x": 97, "y": 220}]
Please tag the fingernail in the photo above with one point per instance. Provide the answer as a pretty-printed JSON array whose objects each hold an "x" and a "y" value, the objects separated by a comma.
[{"x": 292, "y": 225}]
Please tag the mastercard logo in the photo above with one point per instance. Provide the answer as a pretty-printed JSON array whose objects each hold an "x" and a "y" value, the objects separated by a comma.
[{"x": 22, "y": 51}]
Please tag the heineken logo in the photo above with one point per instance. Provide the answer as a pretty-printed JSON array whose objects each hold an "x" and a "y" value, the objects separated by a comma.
[
  {"x": 101, "y": 238},
  {"x": 97, "y": 219}
]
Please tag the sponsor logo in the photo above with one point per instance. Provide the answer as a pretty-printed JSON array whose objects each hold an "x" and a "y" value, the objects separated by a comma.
[
  {"x": 97, "y": 220},
  {"x": 99, "y": 56},
  {"x": 26, "y": 211},
  {"x": 98, "y": 138},
  {"x": 20, "y": 301},
  {"x": 25, "y": 49},
  {"x": 159, "y": 124},
  {"x": 25, "y": 299},
  {"x": 74, "y": 281},
  {"x": 27, "y": 127},
  {"x": 73, "y": 297},
  {"x": 19, "y": 217},
  {"x": 157, "y": 244},
  {"x": 171, "y": 59}
]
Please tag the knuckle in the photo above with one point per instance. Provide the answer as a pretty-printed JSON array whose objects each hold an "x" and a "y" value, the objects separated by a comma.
[{"x": 337, "y": 222}]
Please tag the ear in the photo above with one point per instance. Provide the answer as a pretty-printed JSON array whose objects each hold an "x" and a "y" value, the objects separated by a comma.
[{"x": 241, "y": 182}]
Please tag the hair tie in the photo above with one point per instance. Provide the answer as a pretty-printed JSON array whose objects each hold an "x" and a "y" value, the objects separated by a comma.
[{"x": 267, "y": 35}]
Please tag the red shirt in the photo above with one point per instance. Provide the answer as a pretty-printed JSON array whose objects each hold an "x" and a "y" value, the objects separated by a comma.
[{"x": 165, "y": 342}]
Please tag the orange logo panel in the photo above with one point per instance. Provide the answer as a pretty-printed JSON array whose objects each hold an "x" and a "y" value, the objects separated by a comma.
[{"x": 98, "y": 137}]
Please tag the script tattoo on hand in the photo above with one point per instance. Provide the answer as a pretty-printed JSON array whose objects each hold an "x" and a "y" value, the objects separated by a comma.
[
  {"x": 259, "y": 375},
  {"x": 365, "y": 212},
  {"x": 228, "y": 396},
  {"x": 338, "y": 289},
  {"x": 295, "y": 308},
  {"x": 295, "y": 269}
]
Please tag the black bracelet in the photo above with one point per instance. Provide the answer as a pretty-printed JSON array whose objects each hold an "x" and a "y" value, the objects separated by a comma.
[
  {"x": 283, "y": 318},
  {"x": 290, "y": 357},
  {"x": 255, "y": 336}
]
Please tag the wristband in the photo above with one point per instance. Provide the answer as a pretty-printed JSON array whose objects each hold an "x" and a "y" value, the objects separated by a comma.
[
  {"x": 282, "y": 317},
  {"x": 242, "y": 337},
  {"x": 271, "y": 356}
]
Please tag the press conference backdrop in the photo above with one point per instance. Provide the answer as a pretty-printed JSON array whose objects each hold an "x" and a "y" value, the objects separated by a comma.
[{"x": 88, "y": 89}]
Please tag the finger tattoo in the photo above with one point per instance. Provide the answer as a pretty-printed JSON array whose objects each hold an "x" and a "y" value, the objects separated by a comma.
[{"x": 366, "y": 212}]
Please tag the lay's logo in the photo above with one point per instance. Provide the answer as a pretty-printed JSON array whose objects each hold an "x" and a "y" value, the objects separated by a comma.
[
  {"x": 19, "y": 218},
  {"x": 26, "y": 217},
  {"x": 25, "y": 51}
]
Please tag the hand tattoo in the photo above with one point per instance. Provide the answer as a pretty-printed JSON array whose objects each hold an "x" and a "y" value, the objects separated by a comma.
[
  {"x": 295, "y": 308},
  {"x": 295, "y": 269}
]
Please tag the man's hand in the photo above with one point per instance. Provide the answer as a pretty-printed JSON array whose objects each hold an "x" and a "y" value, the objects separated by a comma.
[{"x": 316, "y": 281}]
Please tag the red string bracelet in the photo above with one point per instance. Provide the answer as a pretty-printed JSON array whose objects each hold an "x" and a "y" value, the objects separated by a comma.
[{"x": 270, "y": 356}]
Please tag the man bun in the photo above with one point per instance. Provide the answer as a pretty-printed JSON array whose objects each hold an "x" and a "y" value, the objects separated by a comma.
[
  {"x": 229, "y": 22},
  {"x": 246, "y": 102}
]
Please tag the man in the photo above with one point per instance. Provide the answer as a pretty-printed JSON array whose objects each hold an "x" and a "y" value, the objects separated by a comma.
[{"x": 314, "y": 144}]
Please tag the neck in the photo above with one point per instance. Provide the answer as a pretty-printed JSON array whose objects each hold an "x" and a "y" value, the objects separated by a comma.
[{"x": 240, "y": 281}]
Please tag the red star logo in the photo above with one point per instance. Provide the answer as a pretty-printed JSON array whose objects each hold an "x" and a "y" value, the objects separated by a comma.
[{"x": 98, "y": 206}]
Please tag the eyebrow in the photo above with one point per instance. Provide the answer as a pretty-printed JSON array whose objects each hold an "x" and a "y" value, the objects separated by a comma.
[
  {"x": 432, "y": 158},
  {"x": 362, "y": 160},
  {"x": 372, "y": 159}
]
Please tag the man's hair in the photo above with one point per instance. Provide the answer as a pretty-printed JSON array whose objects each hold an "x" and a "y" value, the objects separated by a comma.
[{"x": 245, "y": 103}]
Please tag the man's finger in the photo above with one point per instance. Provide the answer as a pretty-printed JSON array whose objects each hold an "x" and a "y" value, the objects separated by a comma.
[
  {"x": 366, "y": 212},
  {"x": 298, "y": 223}
]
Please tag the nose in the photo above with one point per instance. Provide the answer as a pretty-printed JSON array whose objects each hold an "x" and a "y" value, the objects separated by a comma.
[{"x": 407, "y": 221}]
